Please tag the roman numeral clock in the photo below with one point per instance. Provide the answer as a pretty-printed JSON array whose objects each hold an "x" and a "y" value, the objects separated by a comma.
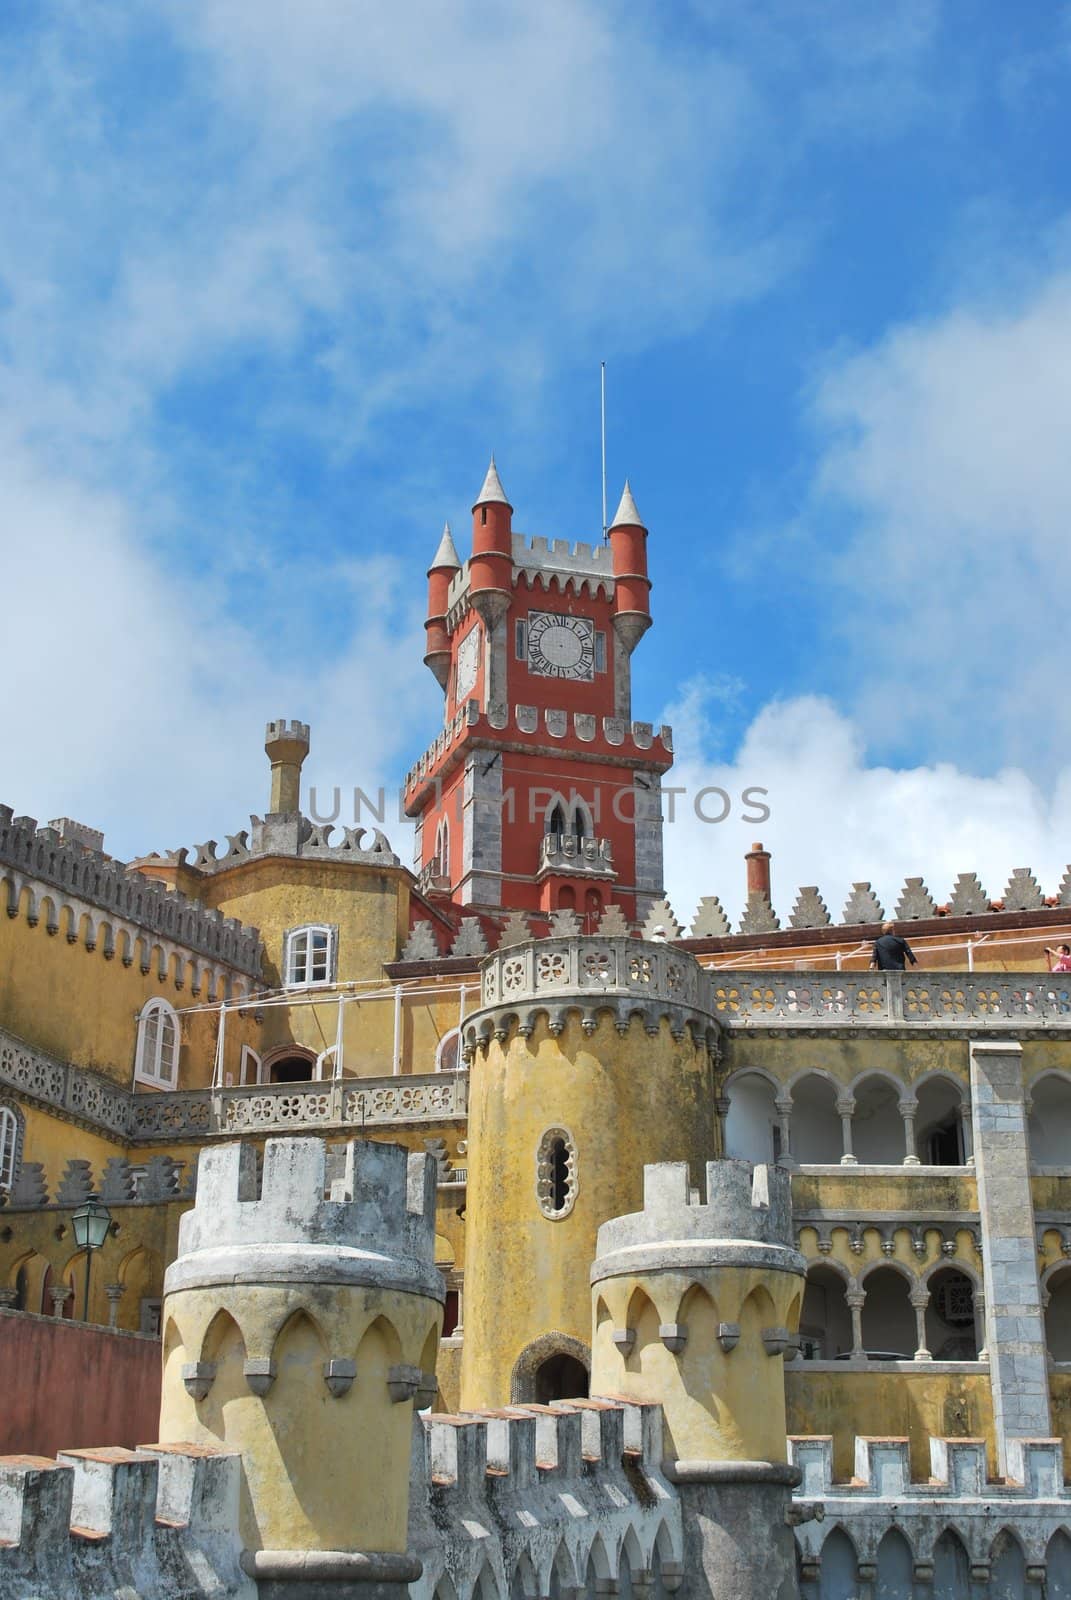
[{"x": 561, "y": 646}]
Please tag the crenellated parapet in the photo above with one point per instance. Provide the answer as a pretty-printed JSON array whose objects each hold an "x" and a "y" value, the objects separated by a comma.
[
  {"x": 525, "y": 1498},
  {"x": 60, "y": 881},
  {"x": 617, "y": 977},
  {"x": 160, "y": 1520},
  {"x": 954, "y": 1523}
]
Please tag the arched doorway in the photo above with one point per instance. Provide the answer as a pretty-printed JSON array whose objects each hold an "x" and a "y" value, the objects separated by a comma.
[
  {"x": 554, "y": 1367},
  {"x": 292, "y": 1064}
]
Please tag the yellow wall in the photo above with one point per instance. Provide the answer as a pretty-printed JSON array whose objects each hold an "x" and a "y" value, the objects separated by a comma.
[
  {"x": 878, "y": 1404},
  {"x": 319, "y": 1472},
  {"x": 625, "y": 1101}
]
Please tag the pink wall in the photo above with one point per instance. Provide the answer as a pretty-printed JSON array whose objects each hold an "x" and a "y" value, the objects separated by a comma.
[{"x": 68, "y": 1385}]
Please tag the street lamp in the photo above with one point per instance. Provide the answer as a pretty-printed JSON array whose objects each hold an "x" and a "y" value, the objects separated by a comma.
[{"x": 91, "y": 1223}]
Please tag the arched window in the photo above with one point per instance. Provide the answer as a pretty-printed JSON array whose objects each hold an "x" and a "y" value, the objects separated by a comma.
[
  {"x": 752, "y": 1130},
  {"x": 889, "y": 1326},
  {"x": 309, "y": 956},
  {"x": 556, "y": 1174},
  {"x": 441, "y": 864},
  {"x": 10, "y": 1145},
  {"x": 569, "y": 818},
  {"x": 1049, "y": 1125},
  {"x": 939, "y": 1123},
  {"x": 951, "y": 1333},
  {"x": 448, "y": 1055},
  {"x": 1058, "y": 1314},
  {"x": 825, "y": 1321},
  {"x": 250, "y": 1070},
  {"x": 156, "y": 1060},
  {"x": 556, "y": 822}
]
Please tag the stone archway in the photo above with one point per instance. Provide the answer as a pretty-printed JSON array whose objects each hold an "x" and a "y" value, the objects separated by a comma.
[{"x": 553, "y": 1367}]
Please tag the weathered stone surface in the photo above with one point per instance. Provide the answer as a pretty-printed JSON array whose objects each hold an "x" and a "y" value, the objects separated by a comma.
[
  {"x": 1022, "y": 893},
  {"x": 515, "y": 930},
  {"x": 470, "y": 939},
  {"x": 968, "y": 897},
  {"x": 915, "y": 902},
  {"x": 759, "y": 916},
  {"x": 661, "y": 915},
  {"x": 710, "y": 921},
  {"x": 421, "y": 944},
  {"x": 862, "y": 906},
  {"x": 810, "y": 910}
]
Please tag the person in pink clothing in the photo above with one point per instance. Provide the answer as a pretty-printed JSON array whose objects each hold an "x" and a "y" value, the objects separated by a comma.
[{"x": 1060, "y": 958}]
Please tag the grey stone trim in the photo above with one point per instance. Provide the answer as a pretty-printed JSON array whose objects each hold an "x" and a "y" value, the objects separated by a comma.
[
  {"x": 1015, "y": 1327},
  {"x": 481, "y": 822},
  {"x": 915, "y": 903},
  {"x": 675, "y": 1257},
  {"x": 781, "y": 1472},
  {"x": 88, "y": 878},
  {"x": 330, "y": 1566},
  {"x": 946, "y": 1002},
  {"x": 862, "y": 906},
  {"x": 810, "y": 910}
]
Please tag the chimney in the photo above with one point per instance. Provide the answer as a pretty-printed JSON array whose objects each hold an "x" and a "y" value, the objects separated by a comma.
[{"x": 758, "y": 871}]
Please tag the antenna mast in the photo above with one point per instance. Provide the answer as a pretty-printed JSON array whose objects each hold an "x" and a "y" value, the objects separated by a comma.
[{"x": 602, "y": 380}]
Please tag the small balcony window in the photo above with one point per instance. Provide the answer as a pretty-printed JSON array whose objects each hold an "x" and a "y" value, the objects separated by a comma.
[{"x": 157, "y": 1055}]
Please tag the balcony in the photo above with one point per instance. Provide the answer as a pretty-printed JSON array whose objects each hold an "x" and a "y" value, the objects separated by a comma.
[{"x": 564, "y": 852}]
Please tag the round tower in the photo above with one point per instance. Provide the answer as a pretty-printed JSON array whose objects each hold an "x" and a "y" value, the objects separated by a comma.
[
  {"x": 491, "y": 563},
  {"x": 444, "y": 568},
  {"x": 587, "y": 1054},
  {"x": 695, "y": 1303},
  {"x": 632, "y": 586},
  {"x": 301, "y": 1325}
]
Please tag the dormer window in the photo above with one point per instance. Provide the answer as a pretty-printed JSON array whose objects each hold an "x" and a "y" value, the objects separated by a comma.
[{"x": 310, "y": 956}]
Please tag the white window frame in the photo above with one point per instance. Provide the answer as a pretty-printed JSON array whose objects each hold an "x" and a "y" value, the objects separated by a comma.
[
  {"x": 152, "y": 1040},
  {"x": 251, "y": 1067},
  {"x": 453, "y": 1035},
  {"x": 10, "y": 1141},
  {"x": 292, "y": 952}
]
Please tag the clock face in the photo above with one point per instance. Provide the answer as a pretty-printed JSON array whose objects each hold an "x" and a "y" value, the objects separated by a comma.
[
  {"x": 468, "y": 660},
  {"x": 560, "y": 646}
]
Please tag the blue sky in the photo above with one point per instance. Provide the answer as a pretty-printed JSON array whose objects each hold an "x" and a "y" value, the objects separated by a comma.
[{"x": 275, "y": 279}]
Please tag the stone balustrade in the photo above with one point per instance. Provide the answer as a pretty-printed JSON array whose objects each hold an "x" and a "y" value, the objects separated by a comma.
[{"x": 1014, "y": 1002}]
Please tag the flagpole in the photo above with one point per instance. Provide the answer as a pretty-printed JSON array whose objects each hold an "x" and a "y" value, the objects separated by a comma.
[{"x": 602, "y": 382}]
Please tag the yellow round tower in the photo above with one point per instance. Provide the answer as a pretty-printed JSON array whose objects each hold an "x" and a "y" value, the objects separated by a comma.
[
  {"x": 587, "y": 1055},
  {"x": 301, "y": 1324},
  {"x": 695, "y": 1303}
]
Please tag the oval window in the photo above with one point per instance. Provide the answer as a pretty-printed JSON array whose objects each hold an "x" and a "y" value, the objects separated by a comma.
[{"x": 556, "y": 1183}]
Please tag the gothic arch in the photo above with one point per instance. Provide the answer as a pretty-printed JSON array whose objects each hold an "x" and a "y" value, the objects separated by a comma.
[{"x": 524, "y": 1379}]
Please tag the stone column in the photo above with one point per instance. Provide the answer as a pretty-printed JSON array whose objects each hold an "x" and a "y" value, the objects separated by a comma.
[
  {"x": 59, "y": 1297},
  {"x": 1015, "y": 1327},
  {"x": 115, "y": 1292},
  {"x": 854, "y": 1300},
  {"x": 907, "y": 1110},
  {"x": 920, "y": 1299},
  {"x": 783, "y": 1105},
  {"x": 967, "y": 1119},
  {"x": 846, "y": 1111}
]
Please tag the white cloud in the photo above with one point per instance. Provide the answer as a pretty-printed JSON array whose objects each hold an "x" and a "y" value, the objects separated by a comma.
[
  {"x": 939, "y": 527},
  {"x": 836, "y": 819}
]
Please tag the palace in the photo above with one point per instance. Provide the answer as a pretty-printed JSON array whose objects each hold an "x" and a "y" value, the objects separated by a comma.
[{"x": 499, "y": 1236}]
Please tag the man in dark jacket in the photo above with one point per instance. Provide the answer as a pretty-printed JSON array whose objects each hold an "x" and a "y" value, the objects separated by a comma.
[{"x": 891, "y": 953}]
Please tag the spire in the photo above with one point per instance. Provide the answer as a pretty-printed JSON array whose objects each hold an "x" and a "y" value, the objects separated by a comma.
[
  {"x": 626, "y": 515},
  {"x": 492, "y": 491},
  {"x": 446, "y": 555}
]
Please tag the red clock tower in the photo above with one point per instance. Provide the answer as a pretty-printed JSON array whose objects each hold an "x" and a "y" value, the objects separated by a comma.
[{"x": 540, "y": 793}]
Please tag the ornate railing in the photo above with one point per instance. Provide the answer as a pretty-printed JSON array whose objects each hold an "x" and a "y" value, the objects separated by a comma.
[
  {"x": 617, "y": 968},
  {"x": 349, "y": 1103},
  {"x": 964, "y": 1000}
]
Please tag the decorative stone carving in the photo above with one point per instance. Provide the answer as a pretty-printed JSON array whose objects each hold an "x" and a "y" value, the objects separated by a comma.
[
  {"x": 403, "y": 1382},
  {"x": 862, "y": 906},
  {"x": 624, "y": 1339},
  {"x": 76, "y": 1185},
  {"x": 421, "y": 944},
  {"x": 117, "y": 1182},
  {"x": 260, "y": 1374},
  {"x": 759, "y": 916},
  {"x": 810, "y": 910},
  {"x": 915, "y": 902},
  {"x": 199, "y": 1376},
  {"x": 160, "y": 1182},
  {"x": 29, "y": 1189},
  {"x": 1022, "y": 893},
  {"x": 564, "y": 923},
  {"x": 661, "y": 915},
  {"x": 470, "y": 940},
  {"x": 775, "y": 1341},
  {"x": 339, "y": 1374},
  {"x": 674, "y": 1335},
  {"x": 556, "y": 1173},
  {"x": 612, "y": 923},
  {"x": 968, "y": 896},
  {"x": 515, "y": 930},
  {"x": 710, "y": 921},
  {"x": 728, "y": 1335}
]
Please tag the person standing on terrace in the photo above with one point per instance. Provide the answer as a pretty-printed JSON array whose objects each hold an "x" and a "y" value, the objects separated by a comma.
[{"x": 891, "y": 952}]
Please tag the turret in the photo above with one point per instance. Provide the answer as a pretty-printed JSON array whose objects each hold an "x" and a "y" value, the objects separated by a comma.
[
  {"x": 286, "y": 746},
  {"x": 301, "y": 1325},
  {"x": 491, "y": 565},
  {"x": 696, "y": 1304},
  {"x": 440, "y": 575},
  {"x": 632, "y": 603}
]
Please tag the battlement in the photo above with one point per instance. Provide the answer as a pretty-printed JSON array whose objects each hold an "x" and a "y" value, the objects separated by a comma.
[
  {"x": 37, "y": 857},
  {"x": 577, "y": 1482},
  {"x": 373, "y": 1225},
  {"x": 98, "y": 1523},
  {"x": 634, "y": 741},
  {"x": 293, "y": 732},
  {"x": 746, "y": 1217},
  {"x": 958, "y": 1496}
]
